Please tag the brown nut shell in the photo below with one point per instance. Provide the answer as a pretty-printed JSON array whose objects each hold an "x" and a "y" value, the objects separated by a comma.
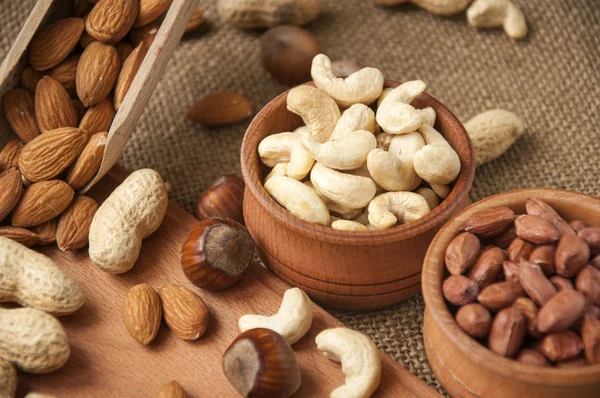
[
  {"x": 41, "y": 202},
  {"x": 9, "y": 155},
  {"x": 110, "y": 20},
  {"x": 54, "y": 42},
  {"x": 74, "y": 224},
  {"x": 224, "y": 199},
  {"x": 216, "y": 253},
  {"x": 19, "y": 109}
]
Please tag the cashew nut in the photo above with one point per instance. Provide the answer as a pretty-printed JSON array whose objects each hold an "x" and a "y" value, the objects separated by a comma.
[
  {"x": 496, "y": 13},
  {"x": 342, "y": 212},
  {"x": 437, "y": 162},
  {"x": 347, "y": 153},
  {"x": 438, "y": 7},
  {"x": 428, "y": 115},
  {"x": 430, "y": 196},
  {"x": 359, "y": 357},
  {"x": 388, "y": 208},
  {"x": 292, "y": 321},
  {"x": 357, "y": 117},
  {"x": 280, "y": 169},
  {"x": 383, "y": 94},
  {"x": 286, "y": 147},
  {"x": 346, "y": 189},
  {"x": 441, "y": 190},
  {"x": 319, "y": 111},
  {"x": 348, "y": 225},
  {"x": 298, "y": 199},
  {"x": 8, "y": 379},
  {"x": 395, "y": 115},
  {"x": 393, "y": 170},
  {"x": 492, "y": 133},
  {"x": 362, "y": 87}
]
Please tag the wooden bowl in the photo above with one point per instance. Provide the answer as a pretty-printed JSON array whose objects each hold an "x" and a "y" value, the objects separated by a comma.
[
  {"x": 465, "y": 367},
  {"x": 346, "y": 270}
]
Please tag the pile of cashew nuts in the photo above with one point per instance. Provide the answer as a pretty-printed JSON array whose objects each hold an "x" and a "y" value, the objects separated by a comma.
[
  {"x": 356, "y": 352},
  {"x": 354, "y": 169}
]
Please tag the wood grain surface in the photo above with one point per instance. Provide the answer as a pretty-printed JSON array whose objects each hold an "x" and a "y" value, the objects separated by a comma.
[{"x": 107, "y": 362}]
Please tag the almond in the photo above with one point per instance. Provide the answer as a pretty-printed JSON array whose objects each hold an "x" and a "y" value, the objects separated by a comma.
[
  {"x": 220, "y": 109},
  {"x": 42, "y": 202},
  {"x": 82, "y": 7},
  {"x": 9, "y": 155},
  {"x": 46, "y": 231},
  {"x": 588, "y": 283},
  {"x": 488, "y": 267},
  {"x": 97, "y": 72},
  {"x": 51, "y": 153},
  {"x": 65, "y": 72},
  {"x": 80, "y": 109},
  {"x": 150, "y": 10},
  {"x": 99, "y": 117},
  {"x": 19, "y": 110},
  {"x": 30, "y": 78},
  {"x": 145, "y": 34},
  {"x": 142, "y": 313},
  {"x": 519, "y": 250},
  {"x": 561, "y": 312},
  {"x": 53, "y": 43},
  {"x": 474, "y": 319},
  {"x": 561, "y": 346},
  {"x": 500, "y": 295},
  {"x": 130, "y": 68},
  {"x": 88, "y": 163},
  {"x": 535, "y": 283},
  {"x": 544, "y": 257},
  {"x": 462, "y": 253},
  {"x": 53, "y": 106},
  {"x": 507, "y": 332},
  {"x": 110, "y": 20},
  {"x": 489, "y": 223},
  {"x": 536, "y": 229},
  {"x": 172, "y": 390},
  {"x": 19, "y": 235},
  {"x": 460, "y": 290},
  {"x": 124, "y": 48},
  {"x": 185, "y": 313},
  {"x": 195, "y": 21},
  {"x": 12, "y": 189},
  {"x": 74, "y": 224},
  {"x": 591, "y": 236},
  {"x": 530, "y": 311},
  {"x": 590, "y": 334},
  {"x": 561, "y": 283},
  {"x": 572, "y": 253}
]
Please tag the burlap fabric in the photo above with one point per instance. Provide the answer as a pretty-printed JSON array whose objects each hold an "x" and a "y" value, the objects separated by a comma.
[{"x": 550, "y": 79}]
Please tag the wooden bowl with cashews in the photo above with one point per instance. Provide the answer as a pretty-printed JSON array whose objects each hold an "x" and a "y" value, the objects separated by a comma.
[
  {"x": 351, "y": 270},
  {"x": 466, "y": 367}
]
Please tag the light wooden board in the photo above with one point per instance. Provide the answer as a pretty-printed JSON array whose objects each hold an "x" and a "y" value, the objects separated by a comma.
[{"x": 107, "y": 362}]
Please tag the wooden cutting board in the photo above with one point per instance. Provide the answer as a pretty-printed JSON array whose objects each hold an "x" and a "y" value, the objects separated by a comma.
[{"x": 107, "y": 362}]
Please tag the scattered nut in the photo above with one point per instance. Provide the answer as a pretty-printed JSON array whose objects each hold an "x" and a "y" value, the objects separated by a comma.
[
  {"x": 250, "y": 14},
  {"x": 184, "y": 312},
  {"x": 216, "y": 253},
  {"x": 172, "y": 390},
  {"x": 496, "y": 13},
  {"x": 287, "y": 53},
  {"x": 273, "y": 365},
  {"x": 142, "y": 313},
  {"x": 220, "y": 109},
  {"x": 444, "y": 8},
  {"x": 223, "y": 199}
]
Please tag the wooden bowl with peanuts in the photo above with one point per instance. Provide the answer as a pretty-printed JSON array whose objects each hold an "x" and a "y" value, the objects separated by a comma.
[{"x": 493, "y": 354}]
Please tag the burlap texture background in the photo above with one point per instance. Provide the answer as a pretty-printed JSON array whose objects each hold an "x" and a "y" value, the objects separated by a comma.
[{"x": 550, "y": 79}]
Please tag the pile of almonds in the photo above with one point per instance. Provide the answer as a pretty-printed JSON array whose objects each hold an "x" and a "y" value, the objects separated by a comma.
[
  {"x": 79, "y": 71},
  {"x": 528, "y": 285}
]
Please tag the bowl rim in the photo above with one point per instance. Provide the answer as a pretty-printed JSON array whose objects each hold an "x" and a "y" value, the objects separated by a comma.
[
  {"x": 439, "y": 215},
  {"x": 469, "y": 347}
]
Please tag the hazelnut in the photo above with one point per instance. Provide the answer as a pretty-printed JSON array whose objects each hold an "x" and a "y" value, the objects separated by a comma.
[
  {"x": 216, "y": 253},
  {"x": 259, "y": 363},
  {"x": 223, "y": 199},
  {"x": 287, "y": 53}
]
